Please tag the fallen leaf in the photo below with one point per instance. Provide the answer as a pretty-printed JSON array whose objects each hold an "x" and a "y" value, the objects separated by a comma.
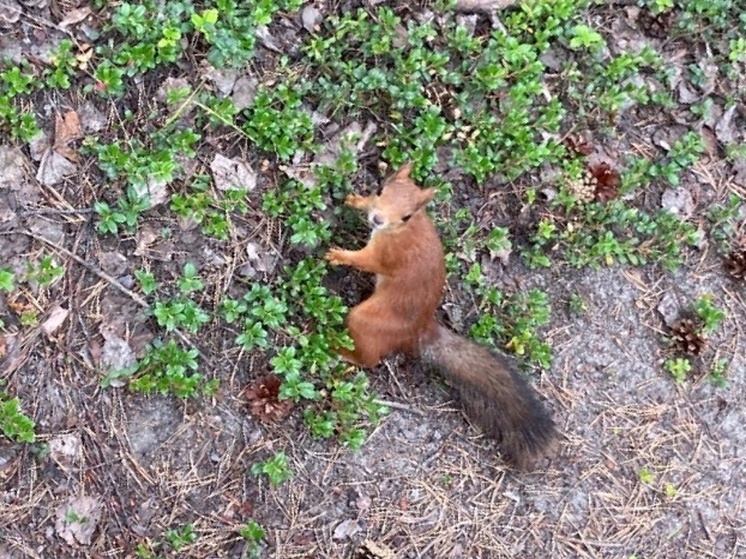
[
  {"x": 13, "y": 168},
  {"x": 52, "y": 231},
  {"x": 267, "y": 40},
  {"x": 687, "y": 95},
  {"x": 739, "y": 171},
  {"x": 38, "y": 4},
  {"x": 66, "y": 450},
  {"x": 724, "y": 129},
  {"x": 77, "y": 520},
  {"x": 503, "y": 255},
  {"x": 346, "y": 529},
  {"x": 53, "y": 168},
  {"x": 55, "y": 319},
  {"x": 113, "y": 263},
  {"x": 222, "y": 78},
  {"x": 369, "y": 548},
  {"x": 86, "y": 53},
  {"x": 351, "y": 138},
  {"x": 710, "y": 71},
  {"x": 38, "y": 145},
  {"x": 173, "y": 85},
  {"x": 232, "y": 174},
  {"x": 155, "y": 191},
  {"x": 711, "y": 143},
  {"x": 9, "y": 354},
  {"x": 67, "y": 129},
  {"x": 91, "y": 119},
  {"x": 3, "y": 346},
  {"x": 74, "y": 16}
]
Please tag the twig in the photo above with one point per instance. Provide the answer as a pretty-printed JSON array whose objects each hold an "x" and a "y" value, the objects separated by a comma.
[
  {"x": 53, "y": 211},
  {"x": 104, "y": 276},
  {"x": 396, "y": 405}
]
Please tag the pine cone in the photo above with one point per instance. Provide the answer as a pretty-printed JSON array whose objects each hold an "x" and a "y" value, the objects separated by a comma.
[
  {"x": 686, "y": 337},
  {"x": 735, "y": 263},
  {"x": 607, "y": 180},
  {"x": 657, "y": 25},
  {"x": 264, "y": 403},
  {"x": 578, "y": 144},
  {"x": 584, "y": 188}
]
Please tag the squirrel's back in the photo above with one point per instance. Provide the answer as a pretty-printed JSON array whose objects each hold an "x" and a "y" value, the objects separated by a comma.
[{"x": 412, "y": 283}]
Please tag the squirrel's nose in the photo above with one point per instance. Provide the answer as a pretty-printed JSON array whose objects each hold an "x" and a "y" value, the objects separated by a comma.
[{"x": 376, "y": 220}]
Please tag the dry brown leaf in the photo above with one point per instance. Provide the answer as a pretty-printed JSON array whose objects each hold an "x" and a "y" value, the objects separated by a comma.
[
  {"x": 66, "y": 130},
  {"x": 244, "y": 92},
  {"x": 77, "y": 520},
  {"x": 74, "y": 16},
  {"x": 55, "y": 319},
  {"x": 86, "y": 53},
  {"x": 346, "y": 529},
  {"x": 222, "y": 79}
]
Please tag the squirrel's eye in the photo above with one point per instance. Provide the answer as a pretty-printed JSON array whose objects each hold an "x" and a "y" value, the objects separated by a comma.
[
  {"x": 406, "y": 218},
  {"x": 379, "y": 191}
]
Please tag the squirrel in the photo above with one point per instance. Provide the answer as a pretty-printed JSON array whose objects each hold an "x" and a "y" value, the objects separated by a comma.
[{"x": 406, "y": 255}]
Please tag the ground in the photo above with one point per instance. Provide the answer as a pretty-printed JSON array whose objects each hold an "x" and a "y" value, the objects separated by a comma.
[{"x": 648, "y": 466}]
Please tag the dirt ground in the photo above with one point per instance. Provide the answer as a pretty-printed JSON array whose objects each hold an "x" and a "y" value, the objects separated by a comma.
[{"x": 648, "y": 468}]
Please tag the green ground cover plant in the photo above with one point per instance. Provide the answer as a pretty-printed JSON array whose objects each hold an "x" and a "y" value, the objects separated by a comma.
[
  {"x": 14, "y": 423},
  {"x": 483, "y": 99},
  {"x": 490, "y": 110}
]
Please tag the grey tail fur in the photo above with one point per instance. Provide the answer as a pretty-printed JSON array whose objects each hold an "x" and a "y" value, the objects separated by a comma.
[{"x": 495, "y": 396}]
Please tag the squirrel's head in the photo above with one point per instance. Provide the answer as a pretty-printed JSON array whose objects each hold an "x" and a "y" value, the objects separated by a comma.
[{"x": 397, "y": 200}]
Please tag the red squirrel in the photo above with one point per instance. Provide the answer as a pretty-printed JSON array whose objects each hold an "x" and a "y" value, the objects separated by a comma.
[{"x": 405, "y": 253}]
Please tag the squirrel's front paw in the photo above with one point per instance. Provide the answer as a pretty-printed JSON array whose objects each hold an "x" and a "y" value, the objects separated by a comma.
[
  {"x": 356, "y": 201},
  {"x": 335, "y": 256}
]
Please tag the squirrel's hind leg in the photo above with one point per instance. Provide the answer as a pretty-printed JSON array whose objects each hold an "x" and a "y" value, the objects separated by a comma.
[{"x": 376, "y": 334}]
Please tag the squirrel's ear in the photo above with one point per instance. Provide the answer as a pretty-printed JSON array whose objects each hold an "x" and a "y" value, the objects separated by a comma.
[
  {"x": 403, "y": 171},
  {"x": 426, "y": 195}
]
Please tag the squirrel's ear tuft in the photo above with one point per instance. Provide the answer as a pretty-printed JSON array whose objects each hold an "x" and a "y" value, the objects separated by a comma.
[{"x": 403, "y": 171}]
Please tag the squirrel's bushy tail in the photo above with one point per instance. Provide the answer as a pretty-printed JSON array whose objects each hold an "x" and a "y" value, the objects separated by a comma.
[{"x": 494, "y": 394}]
